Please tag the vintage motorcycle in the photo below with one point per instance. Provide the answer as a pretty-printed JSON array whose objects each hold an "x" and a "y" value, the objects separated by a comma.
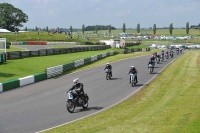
[
  {"x": 133, "y": 80},
  {"x": 108, "y": 76},
  {"x": 78, "y": 101},
  {"x": 151, "y": 68}
]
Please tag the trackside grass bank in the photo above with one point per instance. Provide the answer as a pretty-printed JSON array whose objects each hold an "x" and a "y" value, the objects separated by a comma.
[
  {"x": 170, "y": 104},
  {"x": 13, "y": 69}
]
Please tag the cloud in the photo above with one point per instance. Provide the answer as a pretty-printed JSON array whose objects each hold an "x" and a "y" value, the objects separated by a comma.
[{"x": 123, "y": 13}]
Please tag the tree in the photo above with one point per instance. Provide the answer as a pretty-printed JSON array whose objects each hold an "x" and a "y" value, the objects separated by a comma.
[
  {"x": 124, "y": 28},
  {"x": 36, "y": 28},
  {"x": 47, "y": 29},
  {"x": 109, "y": 29},
  {"x": 71, "y": 29},
  {"x": 100, "y": 27},
  {"x": 187, "y": 28},
  {"x": 11, "y": 17},
  {"x": 138, "y": 28},
  {"x": 171, "y": 28},
  {"x": 25, "y": 29},
  {"x": 154, "y": 29},
  {"x": 83, "y": 29},
  {"x": 58, "y": 30},
  {"x": 96, "y": 29}
]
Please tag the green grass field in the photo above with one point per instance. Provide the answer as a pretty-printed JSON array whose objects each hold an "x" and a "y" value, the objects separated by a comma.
[
  {"x": 18, "y": 68},
  {"x": 43, "y": 36},
  {"x": 170, "y": 104}
]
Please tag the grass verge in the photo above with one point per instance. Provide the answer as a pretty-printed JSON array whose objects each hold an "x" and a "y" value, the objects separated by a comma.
[
  {"x": 170, "y": 104},
  {"x": 13, "y": 69}
]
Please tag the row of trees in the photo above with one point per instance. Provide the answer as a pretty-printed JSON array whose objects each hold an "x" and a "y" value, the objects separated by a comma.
[
  {"x": 154, "y": 28},
  {"x": 195, "y": 26}
]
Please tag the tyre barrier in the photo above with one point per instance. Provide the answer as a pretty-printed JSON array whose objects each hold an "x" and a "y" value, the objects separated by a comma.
[
  {"x": 53, "y": 51},
  {"x": 57, "y": 70},
  {"x": 50, "y": 72}
]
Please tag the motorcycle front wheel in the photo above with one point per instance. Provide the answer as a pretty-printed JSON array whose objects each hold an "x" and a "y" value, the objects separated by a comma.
[
  {"x": 107, "y": 76},
  {"x": 70, "y": 106}
]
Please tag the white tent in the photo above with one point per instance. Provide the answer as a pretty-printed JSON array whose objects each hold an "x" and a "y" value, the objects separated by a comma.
[{"x": 4, "y": 31}]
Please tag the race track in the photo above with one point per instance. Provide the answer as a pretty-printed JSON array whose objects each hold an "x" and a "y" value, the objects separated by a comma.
[{"x": 42, "y": 105}]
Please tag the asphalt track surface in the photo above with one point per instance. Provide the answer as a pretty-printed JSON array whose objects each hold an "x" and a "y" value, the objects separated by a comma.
[{"x": 42, "y": 105}]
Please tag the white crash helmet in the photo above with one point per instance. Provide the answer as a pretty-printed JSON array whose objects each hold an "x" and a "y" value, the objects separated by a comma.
[
  {"x": 76, "y": 80},
  {"x": 132, "y": 66},
  {"x": 108, "y": 63}
]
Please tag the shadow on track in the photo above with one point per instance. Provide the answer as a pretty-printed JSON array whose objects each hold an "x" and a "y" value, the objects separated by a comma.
[
  {"x": 155, "y": 73},
  {"x": 88, "y": 109},
  {"x": 157, "y": 67},
  {"x": 137, "y": 85},
  {"x": 116, "y": 78}
]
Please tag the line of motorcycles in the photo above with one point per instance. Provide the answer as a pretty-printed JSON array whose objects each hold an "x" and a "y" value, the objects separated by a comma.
[
  {"x": 159, "y": 58},
  {"x": 72, "y": 102}
]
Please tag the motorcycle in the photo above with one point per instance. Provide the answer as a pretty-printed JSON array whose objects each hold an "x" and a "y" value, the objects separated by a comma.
[
  {"x": 108, "y": 76},
  {"x": 133, "y": 81},
  {"x": 171, "y": 55},
  {"x": 158, "y": 60},
  {"x": 167, "y": 56},
  {"x": 151, "y": 68},
  {"x": 78, "y": 101},
  {"x": 162, "y": 57}
]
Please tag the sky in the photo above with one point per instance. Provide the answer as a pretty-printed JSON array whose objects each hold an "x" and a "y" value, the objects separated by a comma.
[{"x": 75, "y": 13}]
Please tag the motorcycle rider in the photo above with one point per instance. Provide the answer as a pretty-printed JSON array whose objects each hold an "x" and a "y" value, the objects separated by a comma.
[
  {"x": 158, "y": 57},
  {"x": 162, "y": 53},
  {"x": 152, "y": 58},
  {"x": 166, "y": 54},
  {"x": 177, "y": 50},
  {"x": 151, "y": 62},
  {"x": 155, "y": 54},
  {"x": 171, "y": 52},
  {"x": 109, "y": 67},
  {"x": 77, "y": 89},
  {"x": 133, "y": 70}
]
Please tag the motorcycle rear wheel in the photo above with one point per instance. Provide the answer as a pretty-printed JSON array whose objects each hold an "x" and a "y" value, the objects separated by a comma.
[{"x": 85, "y": 106}]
